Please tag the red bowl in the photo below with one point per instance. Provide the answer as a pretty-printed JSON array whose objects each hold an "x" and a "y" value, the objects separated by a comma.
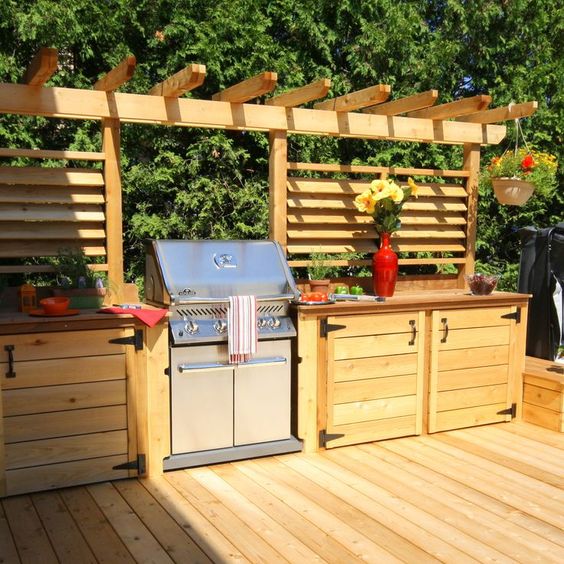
[{"x": 55, "y": 305}]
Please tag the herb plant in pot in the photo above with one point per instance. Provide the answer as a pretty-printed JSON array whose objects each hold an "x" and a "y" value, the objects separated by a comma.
[
  {"x": 319, "y": 272},
  {"x": 77, "y": 281}
]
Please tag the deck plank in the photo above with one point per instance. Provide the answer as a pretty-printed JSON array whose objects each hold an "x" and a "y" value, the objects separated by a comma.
[
  {"x": 312, "y": 536},
  {"x": 30, "y": 537},
  {"x": 65, "y": 536},
  {"x": 538, "y": 434},
  {"x": 170, "y": 535},
  {"x": 99, "y": 534},
  {"x": 245, "y": 538},
  {"x": 506, "y": 537},
  {"x": 208, "y": 538},
  {"x": 136, "y": 537},
  {"x": 8, "y": 551}
]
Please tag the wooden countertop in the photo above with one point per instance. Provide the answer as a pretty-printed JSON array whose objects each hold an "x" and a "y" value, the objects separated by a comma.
[
  {"x": 16, "y": 322},
  {"x": 402, "y": 301}
]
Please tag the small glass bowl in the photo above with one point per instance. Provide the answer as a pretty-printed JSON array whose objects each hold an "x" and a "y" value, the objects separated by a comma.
[{"x": 481, "y": 284}]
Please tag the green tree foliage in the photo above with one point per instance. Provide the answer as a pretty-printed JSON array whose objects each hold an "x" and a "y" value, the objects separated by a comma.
[{"x": 181, "y": 182}]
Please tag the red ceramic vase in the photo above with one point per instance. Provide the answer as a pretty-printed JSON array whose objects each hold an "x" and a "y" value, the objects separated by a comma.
[{"x": 384, "y": 268}]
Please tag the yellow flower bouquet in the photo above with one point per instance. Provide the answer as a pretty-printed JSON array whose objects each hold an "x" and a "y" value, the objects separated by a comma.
[{"x": 384, "y": 200}]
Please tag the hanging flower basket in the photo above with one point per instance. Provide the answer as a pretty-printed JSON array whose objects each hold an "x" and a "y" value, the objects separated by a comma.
[{"x": 512, "y": 191}]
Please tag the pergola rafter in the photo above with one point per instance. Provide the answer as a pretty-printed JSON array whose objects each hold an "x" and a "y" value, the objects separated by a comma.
[
  {"x": 118, "y": 76},
  {"x": 355, "y": 100},
  {"x": 183, "y": 81},
  {"x": 42, "y": 67}
]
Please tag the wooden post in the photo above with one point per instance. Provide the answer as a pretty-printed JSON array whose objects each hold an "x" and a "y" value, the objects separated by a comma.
[
  {"x": 277, "y": 177},
  {"x": 472, "y": 165},
  {"x": 112, "y": 178}
]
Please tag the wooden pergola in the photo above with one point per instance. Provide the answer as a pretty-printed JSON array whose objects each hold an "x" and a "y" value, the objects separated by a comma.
[{"x": 45, "y": 209}]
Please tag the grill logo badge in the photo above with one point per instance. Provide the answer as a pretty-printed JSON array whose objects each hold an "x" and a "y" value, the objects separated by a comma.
[{"x": 224, "y": 261}]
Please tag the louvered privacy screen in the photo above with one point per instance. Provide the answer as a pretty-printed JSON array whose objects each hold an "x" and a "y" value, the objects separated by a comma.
[
  {"x": 44, "y": 210},
  {"x": 321, "y": 215}
]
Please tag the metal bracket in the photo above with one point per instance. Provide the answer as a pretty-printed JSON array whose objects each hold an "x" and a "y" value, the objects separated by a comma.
[
  {"x": 325, "y": 328},
  {"x": 325, "y": 437},
  {"x": 515, "y": 315},
  {"x": 136, "y": 340},
  {"x": 509, "y": 411},
  {"x": 138, "y": 464}
]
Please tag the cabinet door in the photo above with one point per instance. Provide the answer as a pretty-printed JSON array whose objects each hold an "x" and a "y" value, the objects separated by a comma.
[
  {"x": 374, "y": 377},
  {"x": 67, "y": 414},
  {"x": 472, "y": 354}
]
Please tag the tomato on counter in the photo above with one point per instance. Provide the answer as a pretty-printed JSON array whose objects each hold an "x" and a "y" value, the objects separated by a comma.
[{"x": 314, "y": 297}]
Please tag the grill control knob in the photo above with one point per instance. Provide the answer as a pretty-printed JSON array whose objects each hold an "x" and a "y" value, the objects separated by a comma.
[
  {"x": 261, "y": 323},
  {"x": 274, "y": 322},
  {"x": 191, "y": 327},
  {"x": 220, "y": 326}
]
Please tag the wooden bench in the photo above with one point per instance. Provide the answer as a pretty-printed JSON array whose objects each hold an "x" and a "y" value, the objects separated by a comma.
[{"x": 543, "y": 393}]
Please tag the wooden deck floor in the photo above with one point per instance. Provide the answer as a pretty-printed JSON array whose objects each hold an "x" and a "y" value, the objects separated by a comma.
[{"x": 485, "y": 494}]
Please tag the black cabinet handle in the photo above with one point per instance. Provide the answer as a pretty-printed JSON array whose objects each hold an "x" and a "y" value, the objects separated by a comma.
[
  {"x": 10, "y": 350},
  {"x": 413, "y": 331},
  {"x": 444, "y": 321}
]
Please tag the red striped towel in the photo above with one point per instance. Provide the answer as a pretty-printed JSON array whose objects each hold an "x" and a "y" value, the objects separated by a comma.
[{"x": 242, "y": 333}]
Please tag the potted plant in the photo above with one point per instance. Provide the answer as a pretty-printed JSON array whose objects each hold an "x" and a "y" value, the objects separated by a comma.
[
  {"x": 320, "y": 272},
  {"x": 516, "y": 175},
  {"x": 76, "y": 280}
]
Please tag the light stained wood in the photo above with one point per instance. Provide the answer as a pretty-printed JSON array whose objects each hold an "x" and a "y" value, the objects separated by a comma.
[
  {"x": 137, "y": 538},
  {"x": 248, "y": 89},
  {"x": 183, "y": 81},
  {"x": 58, "y": 398},
  {"x": 33, "y": 249},
  {"x": 473, "y": 357},
  {"x": 481, "y": 376},
  {"x": 362, "y": 169},
  {"x": 408, "y": 218},
  {"x": 65, "y": 449},
  {"x": 64, "y": 474},
  {"x": 355, "y": 100},
  {"x": 362, "y": 325},
  {"x": 278, "y": 156},
  {"x": 40, "y": 212},
  {"x": 17, "y": 232},
  {"x": 111, "y": 136},
  {"x": 454, "y": 109},
  {"x": 49, "y": 154},
  {"x": 471, "y": 163},
  {"x": 543, "y": 417},
  {"x": 8, "y": 551},
  {"x": 483, "y": 317},
  {"x": 100, "y": 536},
  {"x": 50, "y": 176},
  {"x": 63, "y": 533},
  {"x": 41, "y": 68},
  {"x": 475, "y": 337},
  {"x": 471, "y": 396},
  {"x": 460, "y": 496},
  {"x": 512, "y": 111},
  {"x": 162, "y": 526},
  {"x": 375, "y": 388},
  {"x": 405, "y": 104},
  {"x": 373, "y": 345},
  {"x": 61, "y": 424},
  {"x": 50, "y": 194},
  {"x": 29, "y": 535},
  {"x": 135, "y": 108},
  {"x": 319, "y": 232},
  {"x": 361, "y": 245},
  {"x": 302, "y": 95},
  {"x": 118, "y": 76},
  {"x": 354, "y": 371},
  {"x": 370, "y": 410},
  {"x": 470, "y": 416},
  {"x": 543, "y": 397},
  {"x": 218, "y": 547}
]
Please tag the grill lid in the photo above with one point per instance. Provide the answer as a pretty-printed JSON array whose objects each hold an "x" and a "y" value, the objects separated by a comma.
[{"x": 183, "y": 271}]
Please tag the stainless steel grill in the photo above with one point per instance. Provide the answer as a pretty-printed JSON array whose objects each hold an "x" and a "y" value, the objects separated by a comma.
[{"x": 221, "y": 411}]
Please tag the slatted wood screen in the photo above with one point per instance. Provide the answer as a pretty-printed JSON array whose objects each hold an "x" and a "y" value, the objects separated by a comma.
[
  {"x": 321, "y": 215},
  {"x": 44, "y": 209}
]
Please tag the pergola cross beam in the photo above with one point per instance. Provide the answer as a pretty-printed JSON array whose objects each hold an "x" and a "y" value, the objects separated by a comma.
[
  {"x": 42, "y": 67},
  {"x": 118, "y": 76},
  {"x": 405, "y": 104},
  {"x": 183, "y": 81},
  {"x": 454, "y": 109},
  {"x": 512, "y": 111},
  {"x": 248, "y": 89},
  {"x": 355, "y": 100},
  {"x": 299, "y": 96}
]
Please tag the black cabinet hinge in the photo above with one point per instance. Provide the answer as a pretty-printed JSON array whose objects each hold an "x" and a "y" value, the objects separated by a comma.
[
  {"x": 325, "y": 437},
  {"x": 325, "y": 327},
  {"x": 509, "y": 411},
  {"x": 136, "y": 340},
  {"x": 515, "y": 315},
  {"x": 138, "y": 464}
]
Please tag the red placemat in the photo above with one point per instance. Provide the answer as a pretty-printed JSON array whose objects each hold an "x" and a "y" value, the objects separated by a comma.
[{"x": 149, "y": 317}]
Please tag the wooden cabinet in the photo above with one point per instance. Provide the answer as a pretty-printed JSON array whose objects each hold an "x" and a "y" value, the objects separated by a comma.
[
  {"x": 375, "y": 371},
  {"x": 472, "y": 367},
  {"x": 67, "y": 414}
]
